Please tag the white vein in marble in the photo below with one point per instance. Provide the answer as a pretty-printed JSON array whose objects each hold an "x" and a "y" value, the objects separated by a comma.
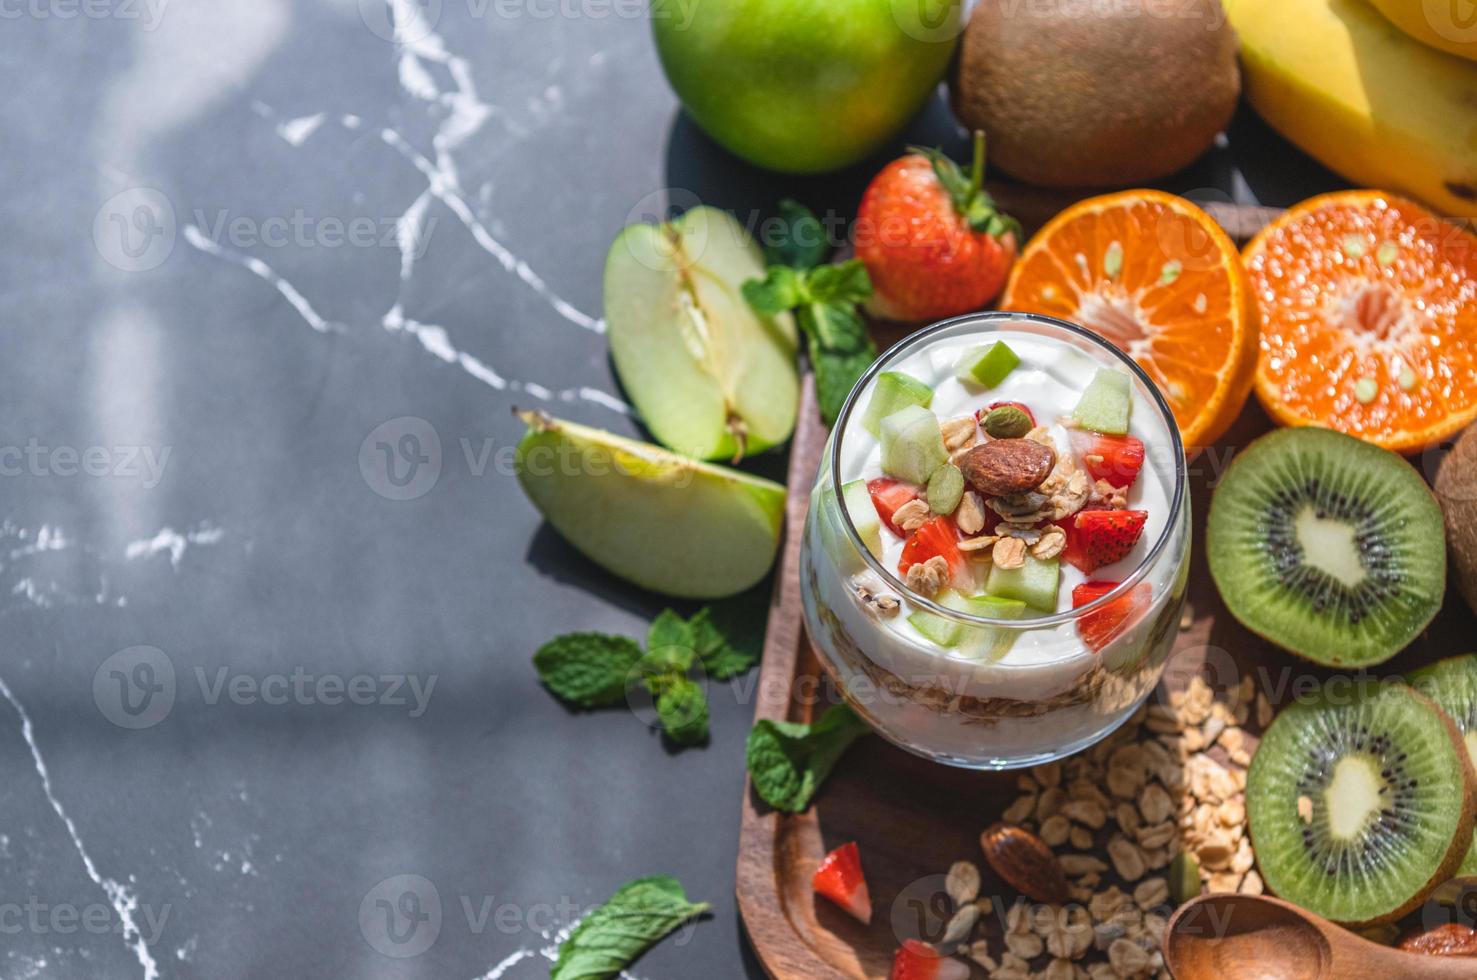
[{"x": 123, "y": 900}]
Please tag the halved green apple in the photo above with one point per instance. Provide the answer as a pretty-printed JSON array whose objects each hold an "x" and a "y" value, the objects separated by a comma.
[
  {"x": 662, "y": 521},
  {"x": 711, "y": 378}
]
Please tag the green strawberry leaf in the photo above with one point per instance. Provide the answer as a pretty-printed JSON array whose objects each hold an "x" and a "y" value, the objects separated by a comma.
[
  {"x": 614, "y": 935},
  {"x": 789, "y": 761},
  {"x": 967, "y": 192},
  {"x": 588, "y": 669}
]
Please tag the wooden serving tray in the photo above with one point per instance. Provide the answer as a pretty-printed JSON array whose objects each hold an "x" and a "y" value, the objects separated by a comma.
[{"x": 913, "y": 818}]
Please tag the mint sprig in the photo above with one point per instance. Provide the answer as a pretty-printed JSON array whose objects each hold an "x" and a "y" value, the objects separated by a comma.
[
  {"x": 788, "y": 761},
  {"x": 594, "y": 670},
  {"x": 824, "y": 299},
  {"x": 614, "y": 936},
  {"x": 591, "y": 670}
]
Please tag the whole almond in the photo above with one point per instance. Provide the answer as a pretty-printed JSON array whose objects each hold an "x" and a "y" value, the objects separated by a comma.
[
  {"x": 1003, "y": 467},
  {"x": 1451, "y": 939},
  {"x": 1024, "y": 862}
]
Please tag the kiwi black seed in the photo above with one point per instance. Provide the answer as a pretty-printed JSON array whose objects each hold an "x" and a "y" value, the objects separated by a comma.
[
  {"x": 1452, "y": 684},
  {"x": 1359, "y": 801},
  {"x": 1328, "y": 546}
]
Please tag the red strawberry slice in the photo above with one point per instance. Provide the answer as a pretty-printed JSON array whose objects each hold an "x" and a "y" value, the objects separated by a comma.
[
  {"x": 917, "y": 961},
  {"x": 980, "y": 415},
  {"x": 1101, "y": 627},
  {"x": 1116, "y": 459},
  {"x": 1101, "y": 537},
  {"x": 938, "y": 537},
  {"x": 840, "y": 879},
  {"x": 888, "y": 495}
]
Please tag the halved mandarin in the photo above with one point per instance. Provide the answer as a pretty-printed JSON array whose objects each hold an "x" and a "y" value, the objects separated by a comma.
[
  {"x": 1155, "y": 275},
  {"x": 1369, "y": 319}
]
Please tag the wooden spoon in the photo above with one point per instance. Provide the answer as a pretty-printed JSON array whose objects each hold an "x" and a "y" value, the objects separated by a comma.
[{"x": 1254, "y": 937}]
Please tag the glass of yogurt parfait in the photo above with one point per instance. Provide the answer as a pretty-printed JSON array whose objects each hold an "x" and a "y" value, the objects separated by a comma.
[{"x": 997, "y": 545}]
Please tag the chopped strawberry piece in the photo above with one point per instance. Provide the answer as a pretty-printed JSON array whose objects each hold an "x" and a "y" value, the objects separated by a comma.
[
  {"x": 888, "y": 495},
  {"x": 980, "y": 415},
  {"x": 840, "y": 879},
  {"x": 918, "y": 961},
  {"x": 1100, "y": 537},
  {"x": 1116, "y": 459},
  {"x": 1101, "y": 627},
  {"x": 939, "y": 537}
]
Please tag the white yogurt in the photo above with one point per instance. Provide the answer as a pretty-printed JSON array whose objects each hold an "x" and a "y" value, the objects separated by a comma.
[{"x": 1043, "y": 663}]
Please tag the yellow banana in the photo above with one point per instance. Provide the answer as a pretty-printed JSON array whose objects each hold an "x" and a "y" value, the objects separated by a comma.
[
  {"x": 1348, "y": 87},
  {"x": 1450, "y": 25}
]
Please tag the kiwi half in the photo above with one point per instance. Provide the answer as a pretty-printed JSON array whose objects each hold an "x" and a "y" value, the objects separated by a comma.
[
  {"x": 1452, "y": 684},
  {"x": 1327, "y": 546},
  {"x": 1359, "y": 802}
]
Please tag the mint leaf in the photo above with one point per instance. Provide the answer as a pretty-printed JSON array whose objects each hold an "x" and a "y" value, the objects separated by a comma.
[
  {"x": 845, "y": 282},
  {"x": 720, "y": 658},
  {"x": 788, "y": 761},
  {"x": 682, "y": 708},
  {"x": 780, "y": 289},
  {"x": 668, "y": 630},
  {"x": 611, "y": 937},
  {"x": 801, "y": 242},
  {"x": 840, "y": 353},
  {"x": 589, "y": 669}
]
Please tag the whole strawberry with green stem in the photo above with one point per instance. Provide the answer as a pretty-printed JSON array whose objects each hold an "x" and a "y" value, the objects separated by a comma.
[{"x": 932, "y": 239}]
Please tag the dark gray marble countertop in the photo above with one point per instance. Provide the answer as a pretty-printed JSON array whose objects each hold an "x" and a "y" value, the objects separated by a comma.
[{"x": 248, "y": 681}]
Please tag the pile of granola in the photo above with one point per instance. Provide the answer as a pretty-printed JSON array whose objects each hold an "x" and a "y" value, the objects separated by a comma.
[{"x": 1147, "y": 818}]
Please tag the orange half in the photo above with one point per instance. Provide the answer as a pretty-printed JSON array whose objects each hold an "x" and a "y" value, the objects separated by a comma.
[
  {"x": 1157, "y": 276},
  {"x": 1369, "y": 306}
]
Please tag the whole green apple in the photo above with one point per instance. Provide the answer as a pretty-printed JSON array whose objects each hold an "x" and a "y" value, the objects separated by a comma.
[{"x": 804, "y": 86}]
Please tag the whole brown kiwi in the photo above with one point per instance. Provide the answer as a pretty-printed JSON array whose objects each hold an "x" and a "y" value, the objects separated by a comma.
[
  {"x": 1096, "y": 93},
  {"x": 1456, "y": 489}
]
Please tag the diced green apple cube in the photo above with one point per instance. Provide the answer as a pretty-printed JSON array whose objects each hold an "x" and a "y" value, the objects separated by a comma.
[
  {"x": 990, "y": 642},
  {"x": 1105, "y": 404},
  {"x": 863, "y": 515},
  {"x": 893, "y": 392},
  {"x": 945, "y": 489},
  {"x": 1034, "y": 583},
  {"x": 987, "y": 364},
  {"x": 983, "y": 642},
  {"x": 912, "y": 444}
]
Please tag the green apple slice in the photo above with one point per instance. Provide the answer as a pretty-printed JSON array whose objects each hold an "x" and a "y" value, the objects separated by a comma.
[
  {"x": 987, "y": 364},
  {"x": 711, "y": 378},
  {"x": 1105, "y": 405},
  {"x": 893, "y": 392},
  {"x": 863, "y": 515},
  {"x": 977, "y": 642},
  {"x": 660, "y": 520},
  {"x": 945, "y": 489},
  {"x": 912, "y": 444},
  {"x": 1035, "y": 583}
]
